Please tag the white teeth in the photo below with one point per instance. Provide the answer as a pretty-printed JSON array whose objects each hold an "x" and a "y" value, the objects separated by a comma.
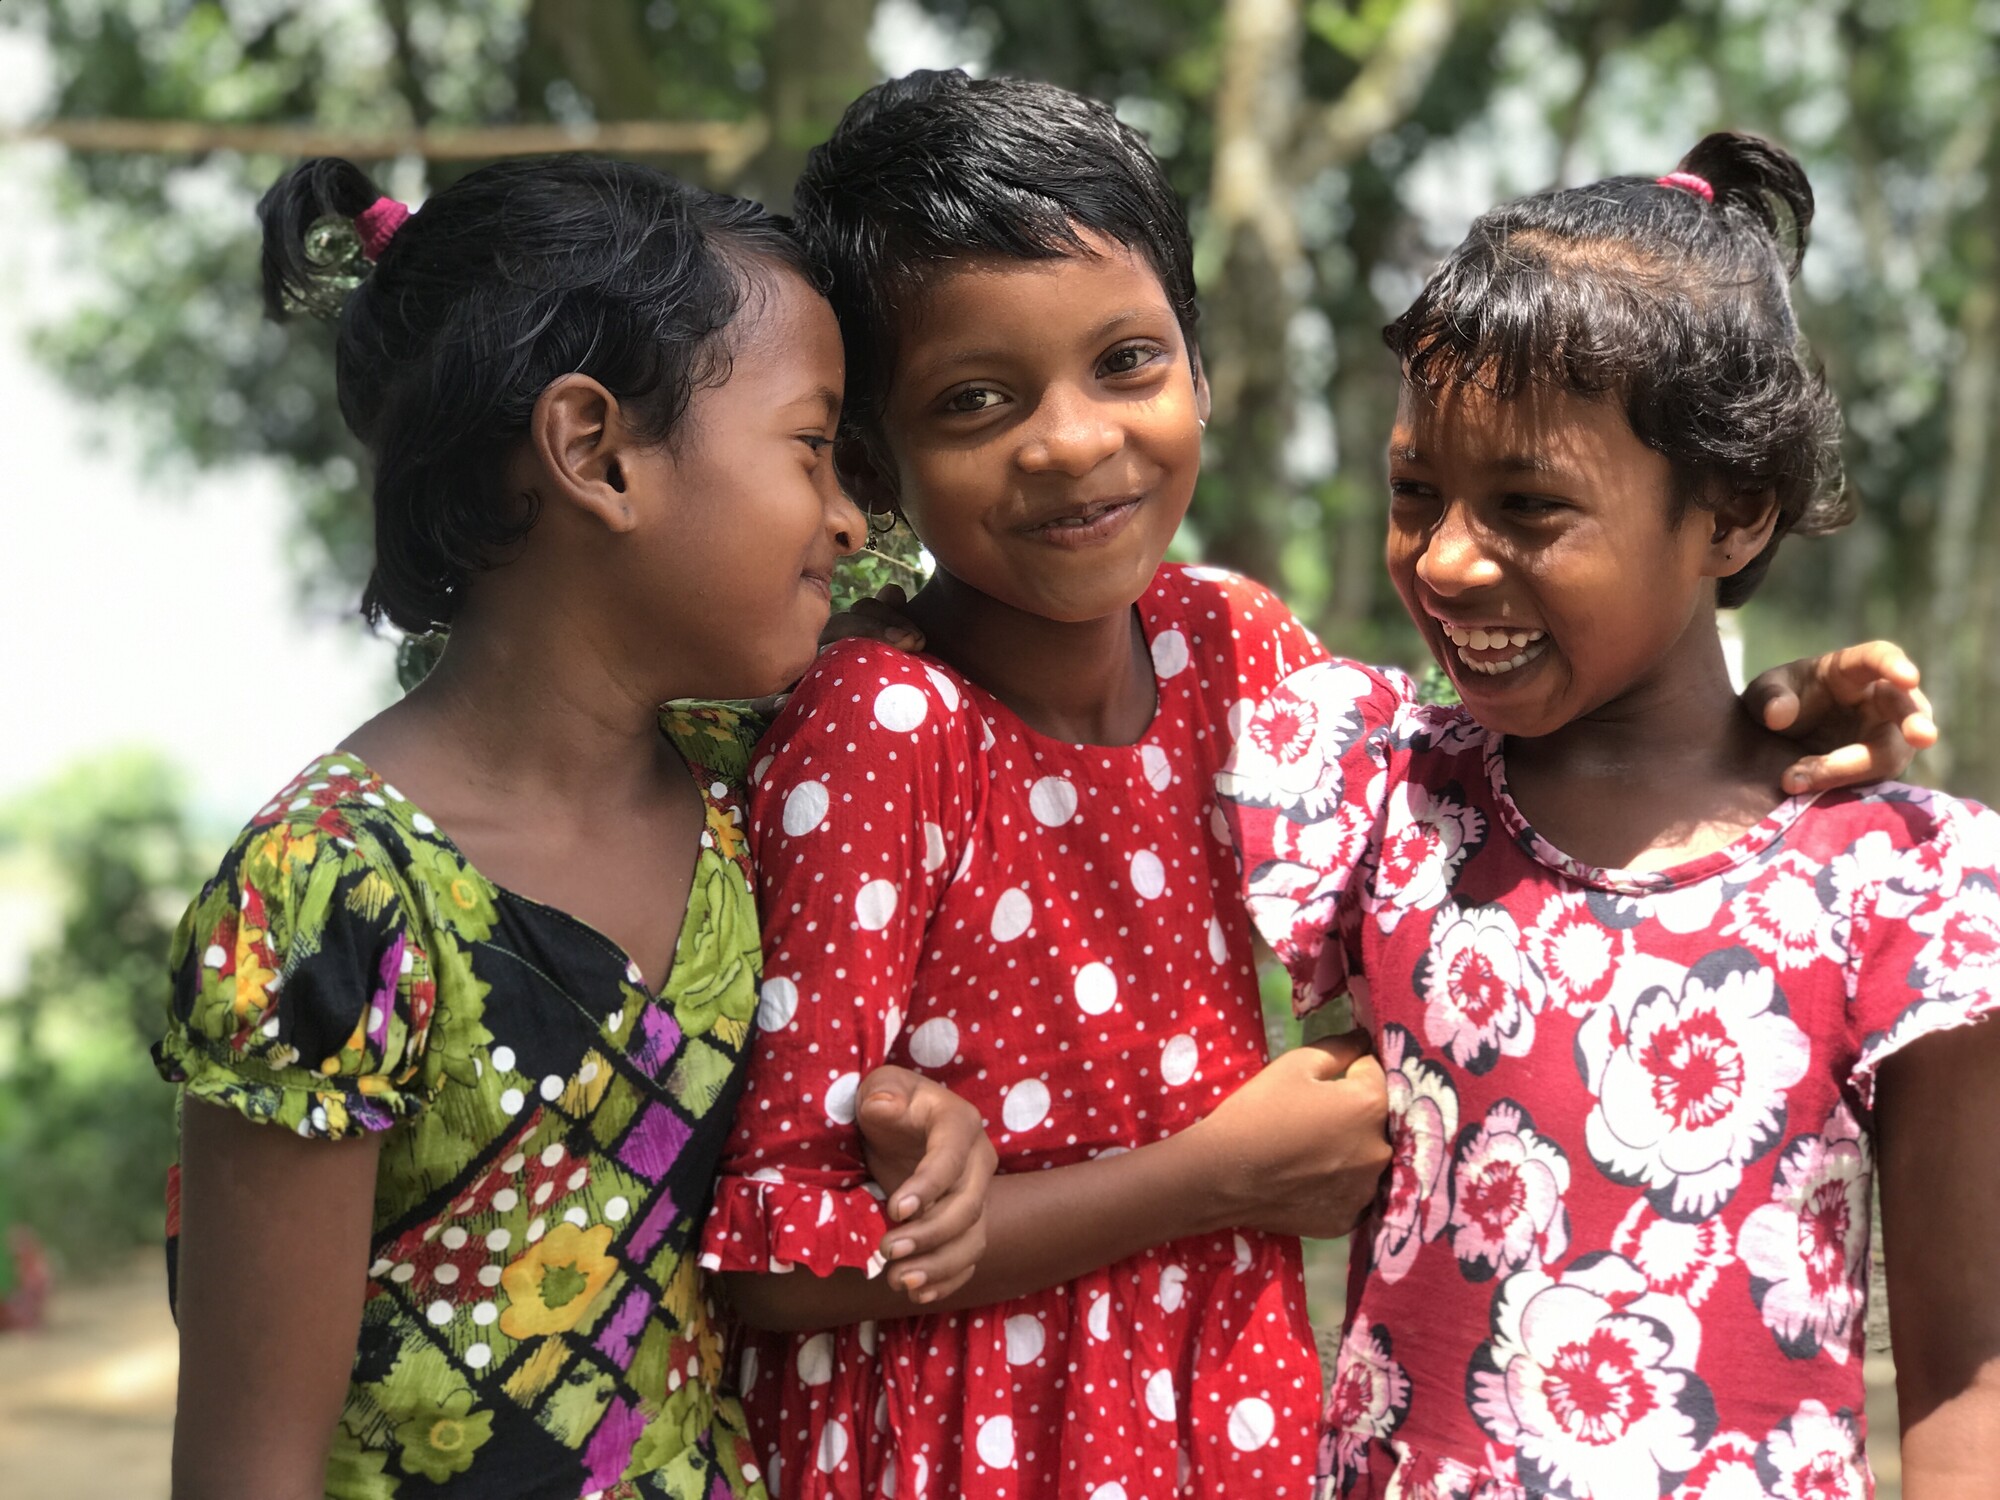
[
  {"x": 1489, "y": 638},
  {"x": 1497, "y": 668}
]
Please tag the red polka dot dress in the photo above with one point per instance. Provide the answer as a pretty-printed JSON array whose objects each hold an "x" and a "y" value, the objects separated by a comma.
[{"x": 1053, "y": 931}]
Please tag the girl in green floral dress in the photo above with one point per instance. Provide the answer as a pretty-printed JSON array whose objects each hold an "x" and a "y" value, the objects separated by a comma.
[{"x": 453, "y": 1101}]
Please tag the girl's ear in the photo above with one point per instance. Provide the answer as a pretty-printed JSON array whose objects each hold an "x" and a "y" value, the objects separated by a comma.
[
  {"x": 1201, "y": 395},
  {"x": 864, "y": 477},
  {"x": 1744, "y": 523},
  {"x": 584, "y": 448}
]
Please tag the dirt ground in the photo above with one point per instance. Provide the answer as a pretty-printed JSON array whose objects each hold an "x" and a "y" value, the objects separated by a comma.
[{"x": 87, "y": 1404}]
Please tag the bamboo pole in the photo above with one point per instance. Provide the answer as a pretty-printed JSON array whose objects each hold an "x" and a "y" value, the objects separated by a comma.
[{"x": 728, "y": 144}]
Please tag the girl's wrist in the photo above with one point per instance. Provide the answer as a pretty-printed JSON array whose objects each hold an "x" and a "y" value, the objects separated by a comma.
[{"x": 1198, "y": 1170}]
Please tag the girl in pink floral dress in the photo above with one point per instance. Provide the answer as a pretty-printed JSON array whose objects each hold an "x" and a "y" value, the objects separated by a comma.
[{"x": 1647, "y": 1029}]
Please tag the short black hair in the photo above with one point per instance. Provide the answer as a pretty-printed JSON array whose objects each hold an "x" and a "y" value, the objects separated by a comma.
[
  {"x": 513, "y": 276},
  {"x": 1675, "y": 304},
  {"x": 936, "y": 167}
]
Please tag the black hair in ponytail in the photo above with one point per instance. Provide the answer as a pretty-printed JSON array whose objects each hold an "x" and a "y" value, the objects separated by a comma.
[
  {"x": 1674, "y": 302},
  {"x": 515, "y": 275}
]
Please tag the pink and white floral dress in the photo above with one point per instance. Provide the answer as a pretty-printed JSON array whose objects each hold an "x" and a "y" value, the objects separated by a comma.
[
  {"x": 1623, "y": 1248},
  {"x": 1056, "y": 932}
]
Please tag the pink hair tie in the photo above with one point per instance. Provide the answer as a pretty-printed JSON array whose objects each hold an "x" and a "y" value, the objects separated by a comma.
[
  {"x": 377, "y": 225},
  {"x": 1687, "y": 182}
]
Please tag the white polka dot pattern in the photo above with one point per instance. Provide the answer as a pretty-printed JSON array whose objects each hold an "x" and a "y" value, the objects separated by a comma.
[{"x": 1054, "y": 932}]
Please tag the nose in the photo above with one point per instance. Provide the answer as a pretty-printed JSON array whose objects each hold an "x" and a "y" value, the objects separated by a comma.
[
  {"x": 845, "y": 523},
  {"x": 1454, "y": 559},
  {"x": 1069, "y": 434}
]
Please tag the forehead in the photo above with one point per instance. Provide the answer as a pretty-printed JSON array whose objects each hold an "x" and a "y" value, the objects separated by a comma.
[
  {"x": 784, "y": 332},
  {"x": 988, "y": 298},
  {"x": 1542, "y": 427}
]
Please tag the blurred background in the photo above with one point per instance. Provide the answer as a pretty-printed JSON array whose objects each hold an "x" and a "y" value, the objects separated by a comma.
[{"x": 187, "y": 525}]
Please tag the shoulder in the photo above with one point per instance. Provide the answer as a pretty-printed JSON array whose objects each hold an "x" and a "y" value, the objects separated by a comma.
[
  {"x": 875, "y": 689},
  {"x": 1904, "y": 846},
  {"x": 1221, "y": 607}
]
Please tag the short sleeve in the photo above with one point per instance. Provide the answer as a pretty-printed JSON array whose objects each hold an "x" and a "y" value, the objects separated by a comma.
[
  {"x": 301, "y": 994},
  {"x": 1929, "y": 952},
  {"x": 861, "y": 810},
  {"x": 1303, "y": 794}
]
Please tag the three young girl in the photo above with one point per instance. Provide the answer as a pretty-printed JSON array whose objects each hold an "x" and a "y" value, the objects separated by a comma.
[
  {"x": 473, "y": 1274},
  {"x": 461, "y": 1021},
  {"x": 1648, "y": 1025}
]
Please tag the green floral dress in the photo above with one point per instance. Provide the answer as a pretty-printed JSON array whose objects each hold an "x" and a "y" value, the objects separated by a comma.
[{"x": 535, "y": 1322}]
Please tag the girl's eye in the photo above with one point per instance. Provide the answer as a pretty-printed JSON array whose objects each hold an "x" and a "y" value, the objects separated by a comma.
[
  {"x": 974, "y": 398},
  {"x": 819, "y": 442},
  {"x": 1130, "y": 358},
  {"x": 1530, "y": 507},
  {"x": 1409, "y": 491}
]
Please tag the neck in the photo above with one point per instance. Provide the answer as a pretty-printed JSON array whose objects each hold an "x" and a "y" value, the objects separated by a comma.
[
  {"x": 529, "y": 705},
  {"x": 1086, "y": 682},
  {"x": 1682, "y": 713},
  {"x": 1669, "y": 769}
]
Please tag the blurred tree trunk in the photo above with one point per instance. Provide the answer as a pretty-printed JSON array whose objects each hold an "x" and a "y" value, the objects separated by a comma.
[
  {"x": 600, "y": 49},
  {"x": 1271, "y": 145},
  {"x": 1253, "y": 222},
  {"x": 1957, "y": 658},
  {"x": 816, "y": 60}
]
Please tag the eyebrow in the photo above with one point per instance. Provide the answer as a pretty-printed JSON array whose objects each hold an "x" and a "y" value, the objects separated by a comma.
[
  {"x": 1508, "y": 463},
  {"x": 994, "y": 354},
  {"x": 827, "y": 397}
]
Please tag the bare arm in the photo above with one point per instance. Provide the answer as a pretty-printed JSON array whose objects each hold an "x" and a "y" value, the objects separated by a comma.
[
  {"x": 1297, "y": 1150},
  {"x": 273, "y": 1270},
  {"x": 1938, "y": 1115}
]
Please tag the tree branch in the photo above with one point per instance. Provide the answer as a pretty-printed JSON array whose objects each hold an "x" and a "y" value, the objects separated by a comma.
[
  {"x": 1383, "y": 92},
  {"x": 727, "y": 143}
]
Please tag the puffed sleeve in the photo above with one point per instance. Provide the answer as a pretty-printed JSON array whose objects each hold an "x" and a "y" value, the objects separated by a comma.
[
  {"x": 1303, "y": 794},
  {"x": 302, "y": 993},
  {"x": 861, "y": 809},
  {"x": 1928, "y": 953}
]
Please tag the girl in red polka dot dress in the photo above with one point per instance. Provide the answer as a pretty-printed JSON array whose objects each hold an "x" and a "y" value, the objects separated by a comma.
[{"x": 1001, "y": 863}]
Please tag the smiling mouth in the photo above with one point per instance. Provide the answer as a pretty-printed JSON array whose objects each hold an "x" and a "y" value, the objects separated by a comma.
[
  {"x": 1492, "y": 651},
  {"x": 1092, "y": 523}
]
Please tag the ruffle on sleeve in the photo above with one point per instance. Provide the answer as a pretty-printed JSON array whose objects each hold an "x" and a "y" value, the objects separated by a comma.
[
  {"x": 769, "y": 1224},
  {"x": 302, "y": 996}
]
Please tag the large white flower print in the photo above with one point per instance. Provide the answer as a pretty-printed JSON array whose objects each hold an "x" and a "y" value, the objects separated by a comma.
[
  {"x": 1480, "y": 992},
  {"x": 1426, "y": 837},
  {"x": 1590, "y": 1381},
  {"x": 1577, "y": 943},
  {"x": 1956, "y": 974},
  {"x": 1814, "y": 1454},
  {"x": 1300, "y": 887},
  {"x": 1962, "y": 958},
  {"x": 1727, "y": 1471},
  {"x": 1507, "y": 1187},
  {"x": 1423, "y": 1118},
  {"x": 1690, "y": 1068},
  {"x": 1289, "y": 754},
  {"x": 1791, "y": 913},
  {"x": 1678, "y": 1258},
  {"x": 1807, "y": 1249},
  {"x": 1368, "y": 1399}
]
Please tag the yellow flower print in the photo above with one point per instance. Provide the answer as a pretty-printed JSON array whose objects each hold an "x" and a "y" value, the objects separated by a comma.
[
  {"x": 283, "y": 847},
  {"x": 555, "y": 1281},
  {"x": 726, "y": 831},
  {"x": 439, "y": 1438},
  {"x": 253, "y": 978}
]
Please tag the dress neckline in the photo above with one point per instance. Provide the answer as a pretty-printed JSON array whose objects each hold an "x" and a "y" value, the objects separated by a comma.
[
  {"x": 1153, "y": 611},
  {"x": 369, "y": 787},
  {"x": 1745, "y": 847}
]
